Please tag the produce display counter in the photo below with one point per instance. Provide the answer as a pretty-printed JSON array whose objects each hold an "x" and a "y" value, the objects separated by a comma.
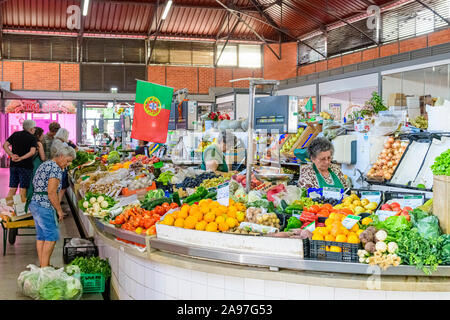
[{"x": 172, "y": 270}]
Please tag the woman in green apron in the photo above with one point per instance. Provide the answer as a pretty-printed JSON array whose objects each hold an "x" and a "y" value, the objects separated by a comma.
[
  {"x": 321, "y": 172},
  {"x": 38, "y": 158},
  {"x": 213, "y": 157}
]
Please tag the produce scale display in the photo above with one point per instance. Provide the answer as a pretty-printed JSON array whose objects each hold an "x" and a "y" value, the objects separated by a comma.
[{"x": 142, "y": 195}]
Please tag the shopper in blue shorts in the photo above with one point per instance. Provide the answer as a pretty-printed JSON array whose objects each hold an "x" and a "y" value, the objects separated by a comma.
[
  {"x": 45, "y": 205},
  {"x": 21, "y": 147}
]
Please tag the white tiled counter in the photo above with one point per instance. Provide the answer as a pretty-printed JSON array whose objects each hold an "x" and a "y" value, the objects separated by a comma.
[{"x": 161, "y": 275}]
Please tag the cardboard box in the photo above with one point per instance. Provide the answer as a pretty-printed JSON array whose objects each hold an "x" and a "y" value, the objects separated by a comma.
[
  {"x": 310, "y": 132},
  {"x": 396, "y": 99}
]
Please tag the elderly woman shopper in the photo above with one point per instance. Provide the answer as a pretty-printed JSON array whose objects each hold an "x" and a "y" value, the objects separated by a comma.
[
  {"x": 62, "y": 139},
  {"x": 23, "y": 146},
  {"x": 48, "y": 138},
  {"x": 213, "y": 157},
  {"x": 321, "y": 173},
  {"x": 45, "y": 205}
]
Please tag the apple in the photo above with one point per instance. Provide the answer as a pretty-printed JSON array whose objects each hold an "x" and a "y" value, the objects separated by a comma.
[{"x": 386, "y": 207}]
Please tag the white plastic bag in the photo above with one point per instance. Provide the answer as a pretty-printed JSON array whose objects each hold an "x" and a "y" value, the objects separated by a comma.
[{"x": 49, "y": 284}]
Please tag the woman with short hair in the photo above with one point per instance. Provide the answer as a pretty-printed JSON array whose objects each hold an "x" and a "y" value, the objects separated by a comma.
[
  {"x": 213, "y": 157},
  {"x": 321, "y": 173},
  {"x": 62, "y": 138},
  {"x": 45, "y": 205}
]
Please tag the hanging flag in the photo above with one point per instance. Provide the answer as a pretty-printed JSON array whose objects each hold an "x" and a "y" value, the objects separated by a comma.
[
  {"x": 151, "y": 112},
  {"x": 309, "y": 105}
]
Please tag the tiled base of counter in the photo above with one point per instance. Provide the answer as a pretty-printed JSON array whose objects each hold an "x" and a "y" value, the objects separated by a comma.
[{"x": 142, "y": 279}]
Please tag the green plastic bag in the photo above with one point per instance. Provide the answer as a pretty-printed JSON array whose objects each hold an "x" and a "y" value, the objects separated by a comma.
[{"x": 429, "y": 227}]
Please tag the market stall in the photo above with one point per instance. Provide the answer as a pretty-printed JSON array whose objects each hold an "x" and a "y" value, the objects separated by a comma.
[{"x": 190, "y": 222}]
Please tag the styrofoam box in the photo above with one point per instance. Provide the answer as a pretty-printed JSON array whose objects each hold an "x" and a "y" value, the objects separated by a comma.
[
  {"x": 439, "y": 117},
  {"x": 232, "y": 242}
]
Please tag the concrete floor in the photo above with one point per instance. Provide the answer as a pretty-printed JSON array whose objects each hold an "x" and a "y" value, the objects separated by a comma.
[{"x": 23, "y": 252}]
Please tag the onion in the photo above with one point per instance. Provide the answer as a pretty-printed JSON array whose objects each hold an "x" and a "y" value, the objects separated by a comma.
[
  {"x": 387, "y": 145},
  {"x": 390, "y": 140},
  {"x": 390, "y": 163},
  {"x": 387, "y": 176}
]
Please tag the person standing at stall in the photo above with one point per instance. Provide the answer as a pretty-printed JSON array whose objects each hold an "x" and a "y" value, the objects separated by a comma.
[
  {"x": 61, "y": 139},
  {"x": 213, "y": 157},
  {"x": 142, "y": 148},
  {"x": 45, "y": 205},
  {"x": 321, "y": 173},
  {"x": 38, "y": 159},
  {"x": 48, "y": 138},
  {"x": 23, "y": 147}
]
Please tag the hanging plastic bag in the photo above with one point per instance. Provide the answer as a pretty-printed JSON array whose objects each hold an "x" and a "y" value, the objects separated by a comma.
[{"x": 429, "y": 227}]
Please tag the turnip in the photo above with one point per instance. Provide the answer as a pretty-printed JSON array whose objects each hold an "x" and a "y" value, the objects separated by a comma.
[{"x": 93, "y": 200}]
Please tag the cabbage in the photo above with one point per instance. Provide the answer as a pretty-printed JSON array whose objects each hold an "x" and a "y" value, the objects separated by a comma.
[
  {"x": 254, "y": 195},
  {"x": 74, "y": 289},
  {"x": 52, "y": 290}
]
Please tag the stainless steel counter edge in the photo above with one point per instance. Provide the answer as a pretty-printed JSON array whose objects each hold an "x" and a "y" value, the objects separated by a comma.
[{"x": 273, "y": 262}]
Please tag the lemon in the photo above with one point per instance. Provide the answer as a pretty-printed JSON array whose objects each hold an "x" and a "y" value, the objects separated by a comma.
[
  {"x": 358, "y": 210},
  {"x": 240, "y": 216},
  {"x": 231, "y": 222},
  {"x": 365, "y": 202},
  {"x": 371, "y": 206},
  {"x": 357, "y": 203}
]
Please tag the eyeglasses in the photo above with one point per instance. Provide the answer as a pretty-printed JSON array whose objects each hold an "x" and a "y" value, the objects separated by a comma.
[{"x": 325, "y": 159}]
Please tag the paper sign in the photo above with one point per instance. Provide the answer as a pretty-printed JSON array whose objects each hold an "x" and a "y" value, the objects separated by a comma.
[
  {"x": 223, "y": 193},
  {"x": 311, "y": 227},
  {"x": 350, "y": 221},
  {"x": 372, "y": 196},
  {"x": 411, "y": 201},
  {"x": 332, "y": 193},
  {"x": 384, "y": 214}
]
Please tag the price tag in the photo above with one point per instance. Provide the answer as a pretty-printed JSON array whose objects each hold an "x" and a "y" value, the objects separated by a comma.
[
  {"x": 311, "y": 227},
  {"x": 350, "y": 221},
  {"x": 372, "y": 196},
  {"x": 332, "y": 193},
  {"x": 223, "y": 193},
  {"x": 411, "y": 201},
  {"x": 384, "y": 214}
]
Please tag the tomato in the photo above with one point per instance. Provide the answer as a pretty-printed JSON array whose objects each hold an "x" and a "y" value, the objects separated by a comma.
[
  {"x": 152, "y": 230},
  {"x": 173, "y": 205},
  {"x": 314, "y": 209},
  {"x": 407, "y": 208},
  {"x": 166, "y": 205},
  {"x": 327, "y": 206},
  {"x": 159, "y": 210},
  {"x": 148, "y": 223},
  {"x": 119, "y": 219}
]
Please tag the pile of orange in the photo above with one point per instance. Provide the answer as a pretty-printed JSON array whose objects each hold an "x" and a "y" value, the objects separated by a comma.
[
  {"x": 207, "y": 215},
  {"x": 335, "y": 231}
]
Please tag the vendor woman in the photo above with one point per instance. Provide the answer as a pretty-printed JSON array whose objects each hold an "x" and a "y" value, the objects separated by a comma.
[
  {"x": 213, "y": 157},
  {"x": 321, "y": 173}
]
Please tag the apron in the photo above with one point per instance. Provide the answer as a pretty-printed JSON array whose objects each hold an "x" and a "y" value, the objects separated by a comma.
[
  {"x": 222, "y": 167},
  {"x": 323, "y": 184},
  {"x": 36, "y": 163}
]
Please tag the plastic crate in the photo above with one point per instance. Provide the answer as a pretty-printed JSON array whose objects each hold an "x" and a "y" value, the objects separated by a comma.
[
  {"x": 316, "y": 250},
  {"x": 92, "y": 282},
  {"x": 70, "y": 253}
]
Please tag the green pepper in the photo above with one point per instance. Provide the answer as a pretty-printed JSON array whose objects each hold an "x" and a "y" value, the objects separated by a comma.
[
  {"x": 293, "y": 207},
  {"x": 176, "y": 198},
  {"x": 211, "y": 195},
  {"x": 293, "y": 223}
]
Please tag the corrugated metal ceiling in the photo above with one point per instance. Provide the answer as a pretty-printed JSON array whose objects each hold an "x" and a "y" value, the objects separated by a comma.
[{"x": 187, "y": 18}]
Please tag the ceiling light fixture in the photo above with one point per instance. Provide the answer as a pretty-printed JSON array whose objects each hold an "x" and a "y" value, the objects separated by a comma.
[
  {"x": 166, "y": 9},
  {"x": 85, "y": 7}
]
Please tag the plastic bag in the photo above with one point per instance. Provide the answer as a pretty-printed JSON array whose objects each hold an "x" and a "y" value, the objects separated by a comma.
[
  {"x": 252, "y": 213},
  {"x": 292, "y": 194},
  {"x": 386, "y": 123},
  {"x": 429, "y": 227},
  {"x": 49, "y": 284}
]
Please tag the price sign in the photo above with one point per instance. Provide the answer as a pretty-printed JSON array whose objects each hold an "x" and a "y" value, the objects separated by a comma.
[
  {"x": 223, "y": 193},
  {"x": 384, "y": 214},
  {"x": 372, "y": 196},
  {"x": 411, "y": 201},
  {"x": 350, "y": 221},
  {"x": 333, "y": 193}
]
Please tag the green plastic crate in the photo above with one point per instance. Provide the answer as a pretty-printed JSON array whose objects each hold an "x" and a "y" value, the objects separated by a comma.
[{"x": 92, "y": 282}]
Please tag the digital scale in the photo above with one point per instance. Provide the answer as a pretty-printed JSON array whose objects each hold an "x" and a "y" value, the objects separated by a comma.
[
  {"x": 183, "y": 112},
  {"x": 276, "y": 113}
]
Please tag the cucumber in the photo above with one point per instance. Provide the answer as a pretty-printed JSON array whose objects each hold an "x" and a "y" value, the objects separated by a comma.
[{"x": 152, "y": 204}]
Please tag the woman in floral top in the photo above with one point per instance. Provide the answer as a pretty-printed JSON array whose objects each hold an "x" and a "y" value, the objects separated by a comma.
[
  {"x": 321, "y": 173},
  {"x": 45, "y": 201}
]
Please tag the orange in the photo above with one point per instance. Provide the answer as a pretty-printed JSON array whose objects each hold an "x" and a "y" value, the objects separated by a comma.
[
  {"x": 174, "y": 214},
  {"x": 321, "y": 230},
  {"x": 182, "y": 214},
  {"x": 314, "y": 209},
  {"x": 168, "y": 220},
  {"x": 329, "y": 237},
  {"x": 205, "y": 209},
  {"x": 353, "y": 239},
  {"x": 185, "y": 208},
  {"x": 317, "y": 236},
  {"x": 332, "y": 216},
  {"x": 344, "y": 231},
  {"x": 190, "y": 222},
  {"x": 179, "y": 223},
  {"x": 335, "y": 230},
  {"x": 359, "y": 232},
  {"x": 347, "y": 211},
  {"x": 355, "y": 228},
  {"x": 220, "y": 219},
  {"x": 223, "y": 226},
  {"x": 327, "y": 206},
  {"x": 198, "y": 216},
  {"x": 201, "y": 225},
  {"x": 209, "y": 217},
  {"x": 328, "y": 222},
  {"x": 232, "y": 222},
  {"x": 211, "y": 227},
  {"x": 341, "y": 238},
  {"x": 335, "y": 249}
]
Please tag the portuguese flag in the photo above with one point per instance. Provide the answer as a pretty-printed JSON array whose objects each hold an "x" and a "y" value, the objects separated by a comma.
[{"x": 151, "y": 112}]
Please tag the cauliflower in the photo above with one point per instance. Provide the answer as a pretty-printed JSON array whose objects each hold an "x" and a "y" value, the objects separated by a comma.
[
  {"x": 392, "y": 247},
  {"x": 381, "y": 235},
  {"x": 104, "y": 204},
  {"x": 100, "y": 199},
  {"x": 381, "y": 246}
]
